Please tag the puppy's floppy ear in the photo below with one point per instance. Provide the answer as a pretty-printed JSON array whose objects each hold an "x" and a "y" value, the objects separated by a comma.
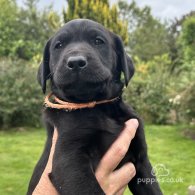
[
  {"x": 44, "y": 70},
  {"x": 124, "y": 62}
]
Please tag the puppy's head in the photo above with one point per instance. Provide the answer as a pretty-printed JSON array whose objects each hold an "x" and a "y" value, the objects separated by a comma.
[{"x": 84, "y": 62}]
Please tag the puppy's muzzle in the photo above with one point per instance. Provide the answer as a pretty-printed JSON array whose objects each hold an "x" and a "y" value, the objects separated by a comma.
[{"x": 76, "y": 63}]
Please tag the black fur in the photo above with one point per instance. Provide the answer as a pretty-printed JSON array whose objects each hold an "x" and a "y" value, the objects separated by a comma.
[{"x": 86, "y": 134}]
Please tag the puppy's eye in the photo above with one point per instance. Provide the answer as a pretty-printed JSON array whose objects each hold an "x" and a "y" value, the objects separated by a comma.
[
  {"x": 99, "y": 41},
  {"x": 58, "y": 45}
]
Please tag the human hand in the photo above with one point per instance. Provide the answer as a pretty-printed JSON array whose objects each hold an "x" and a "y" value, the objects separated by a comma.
[
  {"x": 115, "y": 182},
  {"x": 111, "y": 182}
]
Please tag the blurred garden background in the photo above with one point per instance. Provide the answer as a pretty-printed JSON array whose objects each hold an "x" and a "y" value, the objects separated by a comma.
[{"x": 162, "y": 90}]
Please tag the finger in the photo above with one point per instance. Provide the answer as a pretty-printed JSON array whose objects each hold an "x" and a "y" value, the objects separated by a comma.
[
  {"x": 123, "y": 176},
  {"x": 55, "y": 136},
  {"x": 118, "y": 149},
  {"x": 44, "y": 185},
  {"x": 48, "y": 167}
]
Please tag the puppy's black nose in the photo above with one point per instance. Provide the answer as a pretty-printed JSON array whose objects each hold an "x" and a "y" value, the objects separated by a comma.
[{"x": 76, "y": 62}]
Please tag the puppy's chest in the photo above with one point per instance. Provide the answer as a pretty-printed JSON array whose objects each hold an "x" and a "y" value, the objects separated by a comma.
[
  {"x": 90, "y": 131},
  {"x": 86, "y": 125}
]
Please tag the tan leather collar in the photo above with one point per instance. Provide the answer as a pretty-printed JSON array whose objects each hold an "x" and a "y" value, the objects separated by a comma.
[{"x": 67, "y": 106}]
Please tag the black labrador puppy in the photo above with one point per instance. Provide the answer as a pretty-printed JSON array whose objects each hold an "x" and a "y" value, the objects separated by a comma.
[{"x": 84, "y": 62}]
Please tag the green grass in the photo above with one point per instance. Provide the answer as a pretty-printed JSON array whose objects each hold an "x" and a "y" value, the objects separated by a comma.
[{"x": 20, "y": 150}]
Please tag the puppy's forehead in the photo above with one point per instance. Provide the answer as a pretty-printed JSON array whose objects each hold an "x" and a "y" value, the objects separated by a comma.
[{"x": 82, "y": 25}]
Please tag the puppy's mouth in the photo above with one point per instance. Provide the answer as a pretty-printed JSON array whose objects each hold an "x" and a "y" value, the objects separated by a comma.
[
  {"x": 80, "y": 91},
  {"x": 84, "y": 91}
]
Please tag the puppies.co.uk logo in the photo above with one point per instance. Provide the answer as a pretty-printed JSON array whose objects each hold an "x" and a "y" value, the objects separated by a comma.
[
  {"x": 160, "y": 170},
  {"x": 162, "y": 175}
]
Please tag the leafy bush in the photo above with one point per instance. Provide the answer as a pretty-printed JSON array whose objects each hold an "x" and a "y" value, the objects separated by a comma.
[
  {"x": 8, "y": 25},
  {"x": 20, "y": 95},
  {"x": 187, "y": 38},
  {"x": 148, "y": 91},
  {"x": 24, "y": 30},
  {"x": 183, "y": 96}
]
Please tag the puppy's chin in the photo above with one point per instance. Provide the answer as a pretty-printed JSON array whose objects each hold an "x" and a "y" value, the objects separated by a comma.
[
  {"x": 79, "y": 92},
  {"x": 87, "y": 92}
]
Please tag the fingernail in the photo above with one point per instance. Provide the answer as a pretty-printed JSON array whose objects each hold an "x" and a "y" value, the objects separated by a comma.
[
  {"x": 132, "y": 167},
  {"x": 135, "y": 122}
]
